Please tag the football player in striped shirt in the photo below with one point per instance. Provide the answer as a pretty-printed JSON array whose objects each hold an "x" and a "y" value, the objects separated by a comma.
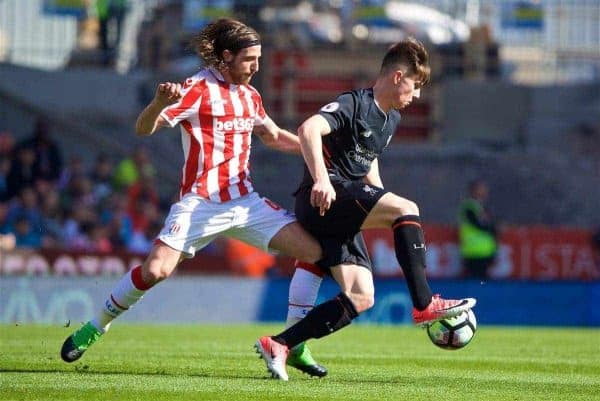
[{"x": 217, "y": 110}]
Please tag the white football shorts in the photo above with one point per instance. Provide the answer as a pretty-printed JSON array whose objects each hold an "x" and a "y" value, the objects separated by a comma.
[{"x": 194, "y": 222}]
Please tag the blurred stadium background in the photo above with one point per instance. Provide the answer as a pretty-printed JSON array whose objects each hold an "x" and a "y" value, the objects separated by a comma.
[{"x": 515, "y": 100}]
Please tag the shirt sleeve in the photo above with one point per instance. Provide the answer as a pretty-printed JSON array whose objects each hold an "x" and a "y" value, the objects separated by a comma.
[
  {"x": 340, "y": 113},
  {"x": 187, "y": 106},
  {"x": 261, "y": 115}
]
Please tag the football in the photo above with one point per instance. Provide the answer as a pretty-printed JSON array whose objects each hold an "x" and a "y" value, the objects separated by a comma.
[{"x": 453, "y": 333}]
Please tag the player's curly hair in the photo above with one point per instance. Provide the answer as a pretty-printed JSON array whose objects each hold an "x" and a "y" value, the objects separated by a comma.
[
  {"x": 411, "y": 53},
  {"x": 223, "y": 34}
]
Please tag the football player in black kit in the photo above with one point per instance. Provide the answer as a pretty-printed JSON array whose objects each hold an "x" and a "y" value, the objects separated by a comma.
[{"x": 342, "y": 193}]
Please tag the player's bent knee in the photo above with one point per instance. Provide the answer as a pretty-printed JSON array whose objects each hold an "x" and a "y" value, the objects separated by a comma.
[
  {"x": 369, "y": 302},
  {"x": 406, "y": 207},
  {"x": 362, "y": 302},
  {"x": 155, "y": 271}
]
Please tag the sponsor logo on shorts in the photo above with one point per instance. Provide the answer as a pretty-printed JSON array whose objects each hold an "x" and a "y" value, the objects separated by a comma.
[
  {"x": 370, "y": 190},
  {"x": 174, "y": 229}
]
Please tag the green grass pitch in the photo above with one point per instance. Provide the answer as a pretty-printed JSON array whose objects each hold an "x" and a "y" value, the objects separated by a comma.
[{"x": 209, "y": 362}]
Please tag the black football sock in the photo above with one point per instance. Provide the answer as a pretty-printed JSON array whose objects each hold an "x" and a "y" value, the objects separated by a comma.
[
  {"x": 409, "y": 243},
  {"x": 322, "y": 320}
]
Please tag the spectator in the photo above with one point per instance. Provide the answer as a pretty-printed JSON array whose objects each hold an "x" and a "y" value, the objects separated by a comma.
[
  {"x": 26, "y": 206},
  {"x": 99, "y": 240},
  {"x": 4, "y": 229},
  {"x": 26, "y": 236},
  {"x": 52, "y": 217},
  {"x": 129, "y": 169},
  {"x": 101, "y": 177},
  {"x": 141, "y": 241},
  {"x": 21, "y": 173},
  {"x": 143, "y": 202},
  {"x": 6, "y": 148},
  {"x": 80, "y": 191},
  {"x": 7, "y": 238},
  {"x": 75, "y": 168},
  {"x": 48, "y": 158},
  {"x": 77, "y": 226},
  {"x": 111, "y": 14},
  {"x": 113, "y": 214},
  {"x": 477, "y": 232},
  {"x": 24, "y": 219}
]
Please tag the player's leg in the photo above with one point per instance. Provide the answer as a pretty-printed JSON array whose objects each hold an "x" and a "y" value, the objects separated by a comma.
[
  {"x": 184, "y": 232},
  {"x": 292, "y": 240},
  {"x": 129, "y": 289},
  {"x": 356, "y": 296},
  {"x": 402, "y": 215},
  {"x": 303, "y": 292},
  {"x": 269, "y": 226},
  {"x": 338, "y": 233}
]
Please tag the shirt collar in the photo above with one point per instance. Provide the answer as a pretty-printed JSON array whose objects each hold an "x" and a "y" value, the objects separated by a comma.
[{"x": 216, "y": 73}]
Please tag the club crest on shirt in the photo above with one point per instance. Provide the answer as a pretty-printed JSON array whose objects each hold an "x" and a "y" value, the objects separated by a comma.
[
  {"x": 330, "y": 107},
  {"x": 188, "y": 82},
  {"x": 370, "y": 190},
  {"x": 366, "y": 133}
]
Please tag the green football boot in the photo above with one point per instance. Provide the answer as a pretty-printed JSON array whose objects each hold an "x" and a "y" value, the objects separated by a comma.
[
  {"x": 301, "y": 359},
  {"x": 77, "y": 343}
]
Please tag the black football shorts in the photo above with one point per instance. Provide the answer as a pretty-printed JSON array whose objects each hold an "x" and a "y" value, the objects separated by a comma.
[{"x": 338, "y": 231}]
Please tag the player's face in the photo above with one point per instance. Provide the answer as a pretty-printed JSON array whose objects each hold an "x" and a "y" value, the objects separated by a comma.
[
  {"x": 244, "y": 65},
  {"x": 407, "y": 89}
]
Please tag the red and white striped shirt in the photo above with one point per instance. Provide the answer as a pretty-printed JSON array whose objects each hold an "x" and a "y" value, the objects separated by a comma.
[{"x": 216, "y": 120}]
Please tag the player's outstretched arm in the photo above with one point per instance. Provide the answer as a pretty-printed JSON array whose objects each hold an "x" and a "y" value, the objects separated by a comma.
[
  {"x": 149, "y": 120},
  {"x": 277, "y": 138}
]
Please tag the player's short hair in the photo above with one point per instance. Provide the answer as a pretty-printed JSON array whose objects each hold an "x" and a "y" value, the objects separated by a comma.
[
  {"x": 412, "y": 54},
  {"x": 220, "y": 35}
]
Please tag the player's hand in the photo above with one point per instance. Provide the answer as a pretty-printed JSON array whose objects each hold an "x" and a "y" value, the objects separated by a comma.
[
  {"x": 168, "y": 93},
  {"x": 322, "y": 196}
]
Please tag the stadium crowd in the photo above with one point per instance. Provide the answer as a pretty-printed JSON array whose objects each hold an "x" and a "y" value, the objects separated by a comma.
[{"x": 47, "y": 203}]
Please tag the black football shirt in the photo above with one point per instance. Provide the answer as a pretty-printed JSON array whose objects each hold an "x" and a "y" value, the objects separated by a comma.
[{"x": 360, "y": 131}]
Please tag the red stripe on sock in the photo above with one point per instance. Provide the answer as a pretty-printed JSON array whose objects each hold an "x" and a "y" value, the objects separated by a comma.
[
  {"x": 137, "y": 280},
  {"x": 414, "y": 223},
  {"x": 116, "y": 303},
  {"x": 301, "y": 306},
  {"x": 314, "y": 269}
]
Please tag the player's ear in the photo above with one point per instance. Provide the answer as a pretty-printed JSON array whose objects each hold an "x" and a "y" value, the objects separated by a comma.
[
  {"x": 397, "y": 77},
  {"x": 227, "y": 56}
]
